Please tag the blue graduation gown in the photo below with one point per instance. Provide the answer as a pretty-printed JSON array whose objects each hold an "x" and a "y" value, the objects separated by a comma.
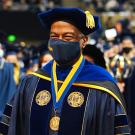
[
  {"x": 129, "y": 95},
  {"x": 7, "y": 84},
  {"x": 101, "y": 113}
]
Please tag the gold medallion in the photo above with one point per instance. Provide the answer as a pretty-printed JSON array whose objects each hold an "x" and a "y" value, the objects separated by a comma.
[
  {"x": 54, "y": 123},
  {"x": 43, "y": 98},
  {"x": 75, "y": 99}
]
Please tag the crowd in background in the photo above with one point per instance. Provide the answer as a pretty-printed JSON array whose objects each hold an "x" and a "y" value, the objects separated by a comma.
[
  {"x": 98, "y": 5},
  {"x": 24, "y": 5},
  {"x": 110, "y": 5}
]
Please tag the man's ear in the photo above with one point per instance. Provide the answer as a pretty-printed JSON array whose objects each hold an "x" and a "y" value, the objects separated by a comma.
[{"x": 83, "y": 41}]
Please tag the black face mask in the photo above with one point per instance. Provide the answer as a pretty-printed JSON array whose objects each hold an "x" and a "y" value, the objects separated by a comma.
[
  {"x": 126, "y": 50},
  {"x": 64, "y": 53}
]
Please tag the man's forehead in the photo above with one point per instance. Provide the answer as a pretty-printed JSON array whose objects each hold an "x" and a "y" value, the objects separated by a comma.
[{"x": 63, "y": 26}]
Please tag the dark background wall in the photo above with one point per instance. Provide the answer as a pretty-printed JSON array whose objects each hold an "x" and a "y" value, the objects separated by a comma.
[{"x": 23, "y": 24}]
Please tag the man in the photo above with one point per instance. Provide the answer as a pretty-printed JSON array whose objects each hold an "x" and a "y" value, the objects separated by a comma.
[
  {"x": 70, "y": 96},
  {"x": 44, "y": 58}
]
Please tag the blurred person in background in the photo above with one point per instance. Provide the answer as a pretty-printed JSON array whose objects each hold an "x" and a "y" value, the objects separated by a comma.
[
  {"x": 33, "y": 66},
  {"x": 7, "y": 83},
  {"x": 128, "y": 52},
  {"x": 127, "y": 47},
  {"x": 112, "y": 5},
  {"x": 86, "y": 102},
  {"x": 94, "y": 55},
  {"x": 123, "y": 29},
  {"x": 112, "y": 51},
  {"x": 37, "y": 5},
  {"x": 44, "y": 58},
  {"x": 118, "y": 60},
  {"x": 11, "y": 57},
  {"x": 109, "y": 22},
  {"x": 7, "y": 4},
  {"x": 120, "y": 68},
  {"x": 120, "y": 63},
  {"x": 21, "y": 58}
]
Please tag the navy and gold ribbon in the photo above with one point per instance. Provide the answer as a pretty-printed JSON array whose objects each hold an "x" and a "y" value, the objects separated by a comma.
[{"x": 58, "y": 95}]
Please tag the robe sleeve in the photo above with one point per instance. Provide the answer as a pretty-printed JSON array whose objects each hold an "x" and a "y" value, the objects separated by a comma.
[
  {"x": 19, "y": 122},
  {"x": 4, "y": 122},
  {"x": 104, "y": 116},
  {"x": 7, "y": 85},
  {"x": 16, "y": 120},
  {"x": 121, "y": 121}
]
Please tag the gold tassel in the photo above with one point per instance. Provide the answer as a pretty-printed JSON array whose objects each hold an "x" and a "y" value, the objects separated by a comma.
[{"x": 90, "y": 23}]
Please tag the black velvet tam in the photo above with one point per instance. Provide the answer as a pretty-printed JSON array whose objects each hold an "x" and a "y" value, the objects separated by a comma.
[{"x": 75, "y": 16}]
